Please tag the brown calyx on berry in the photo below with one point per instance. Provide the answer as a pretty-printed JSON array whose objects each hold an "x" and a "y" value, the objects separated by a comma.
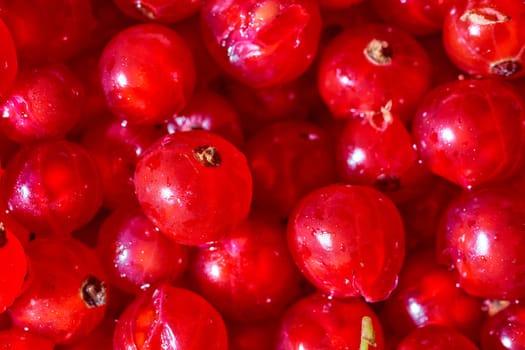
[
  {"x": 378, "y": 52},
  {"x": 93, "y": 292},
  {"x": 208, "y": 156},
  {"x": 3, "y": 235},
  {"x": 505, "y": 68},
  {"x": 386, "y": 183},
  {"x": 145, "y": 10},
  {"x": 484, "y": 16},
  {"x": 382, "y": 119}
]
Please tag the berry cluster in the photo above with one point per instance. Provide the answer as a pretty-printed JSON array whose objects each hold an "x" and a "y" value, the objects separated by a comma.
[{"x": 262, "y": 174}]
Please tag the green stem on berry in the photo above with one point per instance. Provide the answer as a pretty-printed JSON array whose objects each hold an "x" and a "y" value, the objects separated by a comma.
[{"x": 368, "y": 335}]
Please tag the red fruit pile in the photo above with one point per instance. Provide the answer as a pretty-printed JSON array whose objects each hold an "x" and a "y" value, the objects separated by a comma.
[{"x": 262, "y": 174}]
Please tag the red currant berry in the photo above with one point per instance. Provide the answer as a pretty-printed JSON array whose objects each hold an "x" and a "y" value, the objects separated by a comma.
[
  {"x": 249, "y": 275},
  {"x": 43, "y": 104},
  {"x": 52, "y": 187},
  {"x": 8, "y": 59},
  {"x": 48, "y": 31},
  {"x": 482, "y": 235},
  {"x": 170, "y": 318},
  {"x": 375, "y": 151},
  {"x": 417, "y": 17},
  {"x": 348, "y": 241},
  {"x": 116, "y": 148},
  {"x": 260, "y": 107},
  {"x": 358, "y": 67},
  {"x": 135, "y": 254},
  {"x": 262, "y": 42},
  {"x": 253, "y": 335},
  {"x": 14, "y": 268},
  {"x": 288, "y": 159},
  {"x": 66, "y": 296},
  {"x": 100, "y": 339},
  {"x": 487, "y": 38},
  {"x": 17, "y": 339},
  {"x": 208, "y": 111},
  {"x": 163, "y": 11},
  {"x": 195, "y": 186},
  {"x": 147, "y": 74},
  {"x": 505, "y": 330},
  {"x": 435, "y": 337},
  {"x": 427, "y": 294},
  {"x": 315, "y": 322},
  {"x": 471, "y": 132}
]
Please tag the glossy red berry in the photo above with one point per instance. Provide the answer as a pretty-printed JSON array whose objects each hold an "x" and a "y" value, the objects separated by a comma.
[
  {"x": 358, "y": 68},
  {"x": 147, "y": 74},
  {"x": 253, "y": 335},
  {"x": 315, "y": 322},
  {"x": 18, "y": 339},
  {"x": 505, "y": 330},
  {"x": 8, "y": 59},
  {"x": 195, "y": 186},
  {"x": 170, "y": 318},
  {"x": 249, "y": 275},
  {"x": 116, "y": 149},
  {"x": 48, "y": 31},
  {"x": 101, "y": 338},
  {"x": 428, "y": 294},
  {"x": 66, "y": 296},
  {"x": 417, "y": 17},
  {"x": 482, "y": 235},
  {"x": 162, "y": 11},
  {"x": 135, "y": 254},
  {"x": 288, "y": 159},
  {"x": 471, "y": 132},
  {"x": 52, "y": 187},
  {"x": 348, "y": 241},
  {"x": 208, "y": 111},
  {"x": 14, "y": 268},
  {"x": 262, "y": 42},
  {"x": 43, "y": 104},
  {"x": 436, "y": 337},
  {"x": 487, "y": 38},
  {"x": 375, "y": 151}
]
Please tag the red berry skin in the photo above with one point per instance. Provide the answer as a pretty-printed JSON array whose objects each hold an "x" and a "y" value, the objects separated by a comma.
[
  {"x": 66, "y": 295},
  {"x": 135, "y": 254},
  {"x": 505, "y": 330},
  {"x": 101, "y": 338},
  {"x": 417, "y": 17},
  {"x": 8, "y": 59},
  {"x": 262, "y": 42},
  {"x": 471, "y": 132},
  {"x": 288, "y": 159},
  {"x": 253, "y": 335},
  {"x": 316, "y": 322},
  {"x": 194, "y": 186},
  {"x": 14, "y": 268},
  {"x": 249, "y": 275},
  {"x": 170, "y": 318},
  {"x": 43, "y": 104},
  {"x": 436, "y": 337},
  {"x": 18, "y": 339},
  {"x": 210, "y": 111},
  {"x": 427, "y": 294},
  {"x": 482, "y": 235},
  {"x": 116, "y": 148},
  {"x": 52, "y": 187},
  {"x": 147, "y": 74},
  {"x": 161, "y": 11},
  {"x": 348, "y": 241},
  {"x": 48, "y": 31},
  {"x": 358, "y": 67},
  {"x": 486, "y": 38},
  {"x": 375, "y": 151}
]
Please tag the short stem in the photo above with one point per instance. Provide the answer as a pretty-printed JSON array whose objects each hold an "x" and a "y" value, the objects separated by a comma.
[{"x": 368, "y": 336}]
